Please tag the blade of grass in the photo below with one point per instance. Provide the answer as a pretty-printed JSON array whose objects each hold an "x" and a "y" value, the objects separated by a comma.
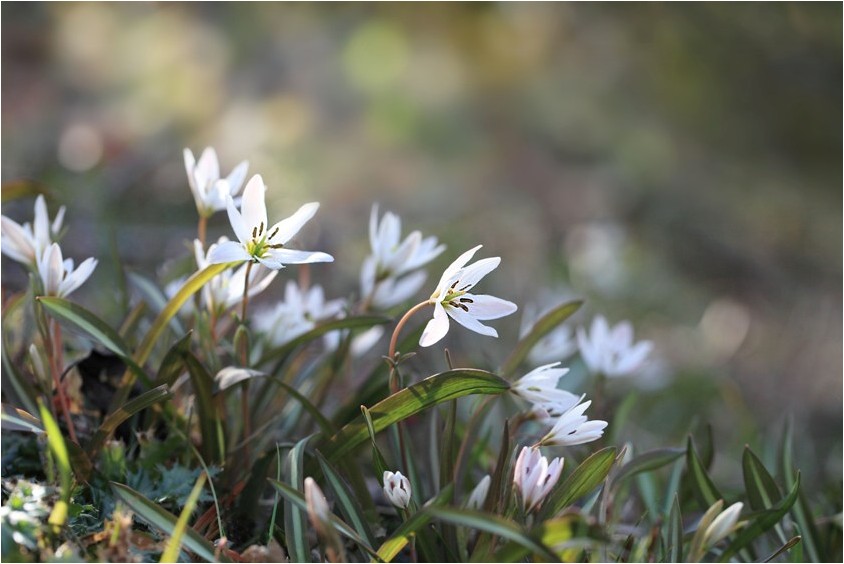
[
  {"x": 55, "y": 440},
  {"x": 542, "y": 327},
  {"x": 702, "y": 486},
  {"x": 15, "y": 419},
  {"x": 171, "y": 551},
  {"x": 295, "y": 527},
  {"x": 585, "y": 478},
  {"x": 648, "y": 461},
  {"x": 390, "y": 548},
  {"x": 349, "y": 505}
]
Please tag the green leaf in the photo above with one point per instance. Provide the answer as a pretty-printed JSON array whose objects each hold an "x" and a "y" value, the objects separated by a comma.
[
  {"x": 94, "y": 327},
  {"x": 378, "y": 459},
  {"x": 22, "y": 387},
  {"x": 494, "y": 525},
  {"x": 792, "y": 542},
  {"x": 171, "y": 551},
  {"x": 802, "y": 514},
  {"x": 762, "y": 491},
  {"x": 552, "y": 533},
  {"x": 393, "y": 545},
  {"x": 15, "y": 419},
  {"x": 358, "y": 322},
  {"x": 206, "y": 408},
  {"x": 162, "y": 519},
  {"x": 349, "y": 505},
  {"x": 55, "y": 440},
  {"x": 295, "y": 528},
  {"x": 296, "y": 498},
  {"x": 762, "y": 523},
  {"x": 325, "y": 425},
  {"x": 674, "y": 532},
  {"x": 542, "y": 327},
  {"x": 704, "y": 490},
  {"x": 412, "y": 400},
  {"x": 172, "y": 365},
  {"x": 154, "y": 297},
  {"x": 143, "y": 401},
  {"x": 648, "y": 461},
  {"x": 585, "y": 478}
]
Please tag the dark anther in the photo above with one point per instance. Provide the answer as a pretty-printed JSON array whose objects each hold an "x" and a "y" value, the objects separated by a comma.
[
  {"x": 261, "y": 229},
  {"x": 276, "y": 246},
  {"x": 455, "y": 284},
  {"x": 463, "y": 289},
  {"x": 467, "y": 300},
  {"x": 274, "y": 232},
  {"x": 254, "y": 232}
]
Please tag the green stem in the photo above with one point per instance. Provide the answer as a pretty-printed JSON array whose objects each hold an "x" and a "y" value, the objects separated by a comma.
[{"x": 246, "y": 292}]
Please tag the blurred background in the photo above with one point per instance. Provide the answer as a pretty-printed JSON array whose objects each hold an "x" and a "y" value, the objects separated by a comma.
[{"x": 676, "y": 165}]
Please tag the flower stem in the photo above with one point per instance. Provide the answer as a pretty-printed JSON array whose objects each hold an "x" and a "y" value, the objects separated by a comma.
[
  {"x": 55, "y": 363},
  {"x": 203, "y": 222},
  {"x": 400, "y": 324},
  {"x": 245, "y": 292}
]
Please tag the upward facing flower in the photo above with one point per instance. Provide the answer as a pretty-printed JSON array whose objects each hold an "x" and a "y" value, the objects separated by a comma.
[
  {"x": 26, "y": 243},
  {"x": 58, "y": 276},
  {"x": 452, "y": 299},
  {"x": 297, "y": 314},
  {"x": 382, "y": 275},
  {"x": 610, "y": 351},
  {"x": 534, "y": 477},
  {"x": 226, "y": 289},
  {"x": 259, "y": 242},
  {"x": 209, "y": 190},
  {"x": 539, "y": 386}
]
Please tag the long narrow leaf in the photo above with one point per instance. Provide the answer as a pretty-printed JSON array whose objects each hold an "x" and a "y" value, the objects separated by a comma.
[
  {"x": 349, "y": 505},
  {"x": 390, "y": 548},
  {"x": 171, "y": 551},
  {"x": 55, "y": 440},
  {"x": 412, "y": 400},
  {"x": 295, "y": 528},
  {"x": 143, "y": 401},
  {"x": 674, "y": 532},
  {"x": 815, "y": 551},
  {"x": 172, "y": 365},
  {"x": 762, "y": 490},
  {"x": 15, "y": 419},
  {"x": 162, "y": 519},
  {"x": 648, "y": 461},
  {"x": 542, "y": 327},
  {"x": 704, "y": 490},
  {"x": 585, "y": 478}
]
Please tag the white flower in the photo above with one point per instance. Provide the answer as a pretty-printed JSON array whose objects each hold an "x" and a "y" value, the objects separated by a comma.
[
  {"x": 478, "y": 496},
  {"x": 535, "y": 477},
  {"x": 555, "y": 345},
  {"x": 574, "y": 428},
  {"x": 611, "y": 351},
  {"x": 318, "y": 509},
  {"x": 452, "y": 299},
  {"x": 226, "y": 289},
  {"x": 397, "y": 489},
  {"x": 382, "y": 275},
  {"x": 26, "y": 243},
  {"x": 58, "y": 276},
  {"x": 297, "y": 314},
  {"x": 209, "y": 190},
  {"x": 723, "y": 525},
  {"x": 539, "y": 386},
  {"x": 260, "y": 242}
]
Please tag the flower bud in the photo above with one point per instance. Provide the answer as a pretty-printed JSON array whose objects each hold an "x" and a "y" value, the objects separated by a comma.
[
  {"x": 478, "y": 495},
  {"x": 535, "y": 477},
  {"x": 397, "y": 489}
]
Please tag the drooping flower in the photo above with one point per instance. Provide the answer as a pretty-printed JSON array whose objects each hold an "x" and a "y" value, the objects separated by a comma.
[
  {"x": 397, "y": 489},
  {"x": 26, "y": 243},
  {"x": 723, "y": 525},
  {"x": 226, "y": 289},
  {"x": 452, "y": 299},
  {"x": 574, "y": 428},
  {"x": 260, "y": 242},
  {"x": 297, "y": 314},
  {"x": 386, "y": 275},
  {"x": 557, "y": 344},
  {"x": 610, "y": 350},
  {"x": 209, "y": 190},
  {"x": 58, "y": 276},
  {"x": 478, "y": 496},
  {"x": 534, "y": 477},
  {"x": 539, "y": 386}
]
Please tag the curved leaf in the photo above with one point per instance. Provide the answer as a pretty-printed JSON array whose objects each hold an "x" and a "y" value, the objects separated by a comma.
[
  {"x": 143, "y": 401},
  {"x": 173, "y": 364},
  {"x": 15, "y": 419},
  {"x": 351, "y": 508},
  {"x": 94, "y": 327},
  {"x": 154, "y": 297},
  {"x": 762, "y": 490},
  {"x": 647, "y": 461},
  {"x": 494, "y": 525},
  {"x": 583, "y": 480},
  {"x": 171, "y": 551},
  {"x": 762, "y": 523},
  {"x": 162, "y": 519},
  {"x": 542, "y": 327},
  {"x": 412, "y": 400},
  {"x": 295, "y": 527},
  {"x": 393, "y": 545},
  {"x": 705, "y": 491},
  {"x": 55, "y": 440}
]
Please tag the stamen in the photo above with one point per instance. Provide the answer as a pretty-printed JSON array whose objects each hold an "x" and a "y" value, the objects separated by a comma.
[
  {"x": 274, "y": 233},
  {"x": 276, "y": 246},
  {"x": 463, "y": 289},
  {"x": 261, "y": 229},
  {"x": 467, "y": 300},
  {"x": 254, "y": 232},
  {"x": 455, "y": 284}
]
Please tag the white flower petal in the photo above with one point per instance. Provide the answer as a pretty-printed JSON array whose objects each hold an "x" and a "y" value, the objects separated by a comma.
[
  {"x": 467, "y": 320},
  {"x": 489, "y": 307},
  {"x": 393, "y": 292},
  {"x": 208, "y": 167},
  {"x": 436, "y": 328},
  {"x": 290, "y": 256},
  {"x": 228, "y": 251},
  {"x": 240, "y": 230},
  {"x": 253, "y": 205},
  {"x": 473, "y": 273},
  {"x": 289, "y": 227},
  {"x": 17, "y": 243},
  {"x": 454, "y": 267},
  {"x": 41, "y": 224},
  {"x": 77, "y": 277},
  {"x": 237, "y": 176}
]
